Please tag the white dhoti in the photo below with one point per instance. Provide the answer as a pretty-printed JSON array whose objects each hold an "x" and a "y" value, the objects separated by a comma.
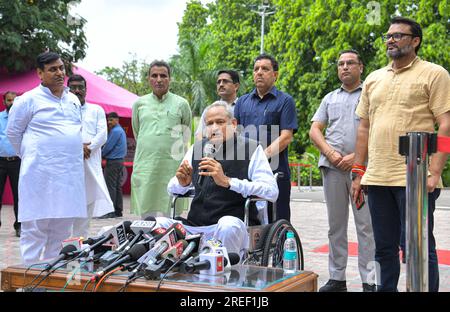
[
  {"x": 231, "y": 231},
  {"x": 41, "y": 240}
]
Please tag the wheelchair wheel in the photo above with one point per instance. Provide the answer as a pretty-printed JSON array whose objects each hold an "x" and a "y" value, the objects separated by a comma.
[{"x": 273, "y": 245}]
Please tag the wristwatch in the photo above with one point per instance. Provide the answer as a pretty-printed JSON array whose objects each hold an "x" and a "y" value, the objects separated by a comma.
[{"x": 354, "y": 175}]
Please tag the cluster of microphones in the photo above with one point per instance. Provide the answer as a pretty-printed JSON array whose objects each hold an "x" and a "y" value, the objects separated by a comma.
[{"x": 145, "y": 251}]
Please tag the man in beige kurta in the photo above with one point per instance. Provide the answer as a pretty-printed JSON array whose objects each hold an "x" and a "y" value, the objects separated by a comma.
[
  {"x": 407, "y": 95},
  {"x": 159, "y": 121}
]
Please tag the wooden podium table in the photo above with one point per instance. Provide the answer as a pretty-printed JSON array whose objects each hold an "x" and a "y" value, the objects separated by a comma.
[{"x": 241, "y": 278}]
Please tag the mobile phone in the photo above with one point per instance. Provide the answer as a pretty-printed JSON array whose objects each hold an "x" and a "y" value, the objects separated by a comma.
[{"x": 360, "y": 201}]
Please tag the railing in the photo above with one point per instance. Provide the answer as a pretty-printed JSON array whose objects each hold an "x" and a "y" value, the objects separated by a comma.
[{"x": 299, "y": 166}]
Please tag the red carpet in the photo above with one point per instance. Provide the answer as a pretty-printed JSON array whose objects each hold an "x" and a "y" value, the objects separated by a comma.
[{"x": 443, "y": 255}]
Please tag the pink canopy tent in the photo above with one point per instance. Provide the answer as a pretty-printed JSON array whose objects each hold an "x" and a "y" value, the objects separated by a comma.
[
  {"x": 100, "y": 91},
  {"x": 109, "y": 96}
]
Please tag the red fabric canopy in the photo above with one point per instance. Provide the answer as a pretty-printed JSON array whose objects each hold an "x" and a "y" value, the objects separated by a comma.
[{"x": 99, "y": 91}]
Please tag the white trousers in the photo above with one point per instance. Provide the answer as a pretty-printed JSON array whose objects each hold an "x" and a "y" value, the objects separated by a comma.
[
  {"x": 231, "y": 231},
  {"x": 41, "y": 240},
  {"x": 81, "y": 226}
]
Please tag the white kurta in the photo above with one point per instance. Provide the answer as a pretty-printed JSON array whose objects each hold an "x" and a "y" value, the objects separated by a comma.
[
  {"x": 45, "y": 131},
  {"x": 94, "y": 131}
]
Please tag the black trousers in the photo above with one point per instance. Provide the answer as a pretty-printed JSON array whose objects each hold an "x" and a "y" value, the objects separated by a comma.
[
  {"x": 113, "y": 177},
  {"x": 387, "y": 206},
  {"x": 283, "y": 201},
  {"x": 11, "y": 169}
]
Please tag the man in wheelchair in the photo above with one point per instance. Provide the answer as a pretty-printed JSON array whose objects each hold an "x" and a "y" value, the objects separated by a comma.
[{"x": 235, "y": 169}]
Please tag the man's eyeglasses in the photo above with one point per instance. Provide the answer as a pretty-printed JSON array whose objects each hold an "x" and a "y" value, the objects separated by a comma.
[
  {"x": 224, "y": 81},
  {"x": 349, "y": 63},
  {"x": 396, "y": 36}
]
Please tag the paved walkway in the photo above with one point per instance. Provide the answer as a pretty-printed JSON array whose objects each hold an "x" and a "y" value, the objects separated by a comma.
[{"x": 309, "y": 218}]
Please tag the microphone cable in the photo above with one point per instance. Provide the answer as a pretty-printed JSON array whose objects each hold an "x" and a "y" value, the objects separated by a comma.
[
  {"x": 128, "y": 282},
  {"x": 86, "y": 285},
  {"x": 165, "y": 274},
  {"x": 104, "y": 277},
  {"x": 47, "y": 275},
  {"x": 36, "y": 277}
]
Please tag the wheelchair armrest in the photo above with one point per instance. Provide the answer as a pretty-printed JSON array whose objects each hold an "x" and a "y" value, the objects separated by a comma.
[
  {"x": 189, "y": 194},
  {"x": 248, "y": 201},
  {"x": 279, "y": 175}
]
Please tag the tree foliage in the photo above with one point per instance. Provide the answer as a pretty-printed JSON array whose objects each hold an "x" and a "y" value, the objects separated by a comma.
[
  {"x": 306, "y": 36},
  {"x": 131, "y": 76},
  {"x": 28, "y": 28}
]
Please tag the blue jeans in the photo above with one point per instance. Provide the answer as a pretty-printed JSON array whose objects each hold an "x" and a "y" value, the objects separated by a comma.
[{"x": 387, "y": 208}]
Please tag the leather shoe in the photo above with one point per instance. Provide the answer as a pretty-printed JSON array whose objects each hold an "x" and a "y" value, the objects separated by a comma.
[
  {"x": 369, "y": 287},
  {"x": 108, "y": 215},
  {"x": 334, "y": 286}
]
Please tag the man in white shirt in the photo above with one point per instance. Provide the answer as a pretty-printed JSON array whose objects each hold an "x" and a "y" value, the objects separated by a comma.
[
  {"x": 44, "y": 127},
  {"x": 238, "y": 170},
  {"x": 94, "y": 133}
]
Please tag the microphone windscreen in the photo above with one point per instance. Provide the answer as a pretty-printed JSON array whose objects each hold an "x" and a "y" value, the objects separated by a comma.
[
  {"x": 137, "y": 251},
  {"x": 209, "y": 150},
  {"x": 150, "y": 218},
  {"x": 234, "y": 258},
  {"x": 68, "y": 248},
  {"x": 127, "y": 225}
]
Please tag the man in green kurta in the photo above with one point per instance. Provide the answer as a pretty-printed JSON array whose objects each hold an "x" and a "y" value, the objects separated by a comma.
[{"x": 159, "y": 120}]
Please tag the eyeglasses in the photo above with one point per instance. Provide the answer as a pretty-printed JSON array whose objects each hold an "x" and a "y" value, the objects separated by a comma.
[
  {"x": 396, "y": 36},
  {"x": 224, "y": 81},
  {"x": 349, "y": 63}
]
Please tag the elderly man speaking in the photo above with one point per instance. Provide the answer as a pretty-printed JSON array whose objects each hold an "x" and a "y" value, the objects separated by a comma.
[{"x": 238, "y": 170}]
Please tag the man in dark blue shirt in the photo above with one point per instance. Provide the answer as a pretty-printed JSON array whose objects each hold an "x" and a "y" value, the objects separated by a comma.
[
  {"x": 269, "y": 116},
  {"x": 114, "y": 151}
]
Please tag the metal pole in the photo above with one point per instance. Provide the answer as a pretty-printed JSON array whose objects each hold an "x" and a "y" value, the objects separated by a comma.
[
  {"x": 417, "y": 213},
  {"x": 261, "y": 50},
  {"x": 263, "y": 13}
]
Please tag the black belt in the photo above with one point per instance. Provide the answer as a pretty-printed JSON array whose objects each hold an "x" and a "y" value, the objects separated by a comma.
[{"x": 13, "y": 158}]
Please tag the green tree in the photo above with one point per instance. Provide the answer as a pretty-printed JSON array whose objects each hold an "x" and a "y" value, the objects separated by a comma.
[
  {"x": 131, "y": 76},
  {"x": 28, "y": 28},
  {"x": 192, "y": 78},
  {"x": 306, "y": 37}
]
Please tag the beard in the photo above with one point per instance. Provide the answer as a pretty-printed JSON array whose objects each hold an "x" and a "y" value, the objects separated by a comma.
[{"x": 400, "y": 52}]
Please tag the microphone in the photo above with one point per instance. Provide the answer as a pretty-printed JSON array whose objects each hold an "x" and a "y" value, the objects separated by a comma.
[
  {"x": 189, "y": 249},
  {"x": 66, "y": 252},
  {"x": 116, "y": 235},
  {"x": 208, "y": 151},
  {"x": 133, "y": 254},
  {"x": 210, "y": 263},
  {"x": 142, "y": 225},
  {"x": 175, "y": 252},
  {"x": 168, "y": 239}
]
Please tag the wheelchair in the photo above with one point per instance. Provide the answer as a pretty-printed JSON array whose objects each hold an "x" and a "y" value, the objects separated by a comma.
[{"x": 266, "y": 240}]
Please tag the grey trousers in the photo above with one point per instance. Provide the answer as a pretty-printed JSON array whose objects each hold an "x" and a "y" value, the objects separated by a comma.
[{"x": 337, "y": 187}]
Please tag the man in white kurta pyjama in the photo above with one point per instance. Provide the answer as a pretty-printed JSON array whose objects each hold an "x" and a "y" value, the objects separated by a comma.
[
  {"x": 94, "y": 134},
  {"x": 44, "y": 128}
]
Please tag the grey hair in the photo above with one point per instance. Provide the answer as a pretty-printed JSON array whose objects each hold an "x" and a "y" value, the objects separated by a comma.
[{"x": 223, "y": 104}]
